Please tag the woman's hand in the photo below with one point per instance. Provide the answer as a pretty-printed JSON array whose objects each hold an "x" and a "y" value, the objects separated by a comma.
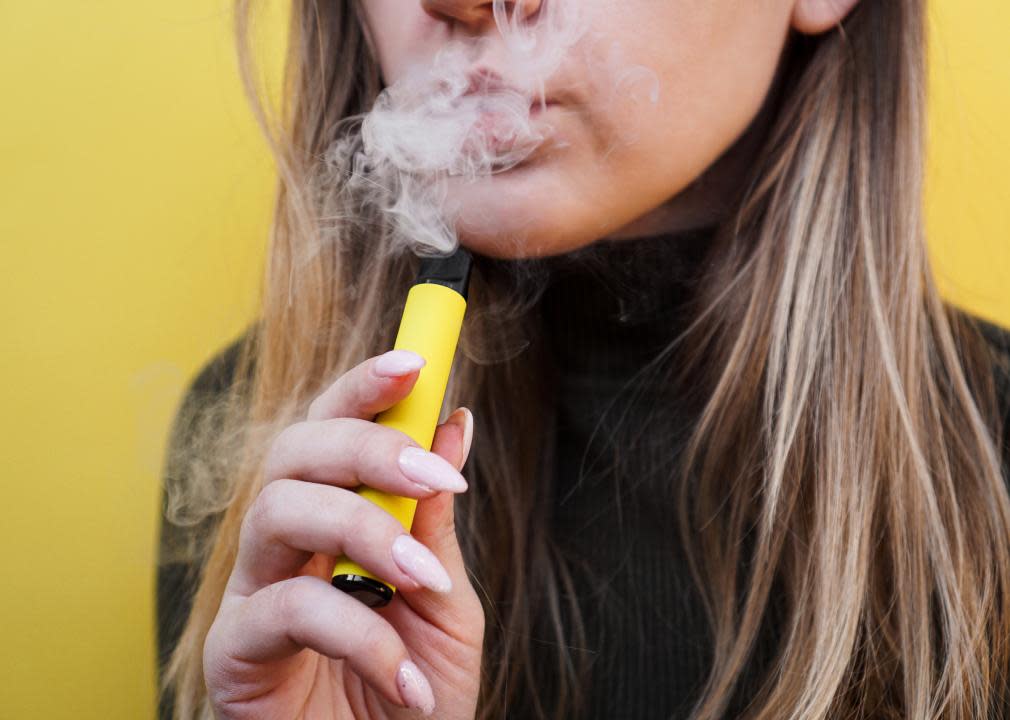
[{"x": 285, "y": 643}]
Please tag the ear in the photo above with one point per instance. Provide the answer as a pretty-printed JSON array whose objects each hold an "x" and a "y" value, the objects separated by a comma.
[{"x": 812, "y": 17}]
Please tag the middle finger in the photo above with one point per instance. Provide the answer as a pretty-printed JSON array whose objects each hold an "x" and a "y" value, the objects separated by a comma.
[{"x": 348, "y": 452}]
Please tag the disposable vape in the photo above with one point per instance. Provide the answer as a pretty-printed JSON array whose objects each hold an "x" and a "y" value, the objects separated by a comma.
[{"x": 430, "y": 326}]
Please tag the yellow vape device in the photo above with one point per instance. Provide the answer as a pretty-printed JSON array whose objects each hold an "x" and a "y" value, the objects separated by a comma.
[{"x": 430, "y": 326}]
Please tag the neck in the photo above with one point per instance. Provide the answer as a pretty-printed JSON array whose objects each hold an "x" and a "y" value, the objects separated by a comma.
[{"x": 611, "y": 307}]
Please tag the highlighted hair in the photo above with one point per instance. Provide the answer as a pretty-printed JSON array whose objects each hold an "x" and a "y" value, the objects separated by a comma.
[{"x": 845, "y": 471}]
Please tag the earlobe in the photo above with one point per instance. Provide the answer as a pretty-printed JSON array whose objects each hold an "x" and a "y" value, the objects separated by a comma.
[{"x": 813, "y": 17}]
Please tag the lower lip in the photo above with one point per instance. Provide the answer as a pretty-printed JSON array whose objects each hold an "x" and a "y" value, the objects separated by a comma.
[
  {"x": 504, "y": 142},
  {"x": 537, "y": 108},
  {"x": 504, "y": 170},
  {"x": 534, "y": 159}
]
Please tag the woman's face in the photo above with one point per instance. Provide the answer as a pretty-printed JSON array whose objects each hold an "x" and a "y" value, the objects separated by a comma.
[{"x": 652, "y": 94}]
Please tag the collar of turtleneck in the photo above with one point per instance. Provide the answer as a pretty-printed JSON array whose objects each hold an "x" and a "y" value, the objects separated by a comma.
[{"x": 611, "y": 307}]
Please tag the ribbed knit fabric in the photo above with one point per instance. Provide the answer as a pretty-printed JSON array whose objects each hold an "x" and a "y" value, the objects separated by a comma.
[{"x": 609, "y": 311}]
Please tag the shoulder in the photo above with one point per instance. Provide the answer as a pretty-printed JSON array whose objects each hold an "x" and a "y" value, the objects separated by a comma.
[
  {"x": 995, "y": 333},
  {"x": 217, "y": 374},
  {"x": 993, "y": 354},
  {"x": 199, "y": 419},
  {"x": 198, "y": 414},
  {"x": 185, "y": 524},
  {"x": 996, "y": 337},
  {"x": 211, "y": 383}
]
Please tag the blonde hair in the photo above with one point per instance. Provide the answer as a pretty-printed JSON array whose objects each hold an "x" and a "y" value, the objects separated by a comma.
[{"x": 849, "y": 430}]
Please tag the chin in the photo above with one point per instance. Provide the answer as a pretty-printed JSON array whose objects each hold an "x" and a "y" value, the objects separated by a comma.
[
  {"x": 517, "y": 214},
  {"x": 517, "y": 234}
]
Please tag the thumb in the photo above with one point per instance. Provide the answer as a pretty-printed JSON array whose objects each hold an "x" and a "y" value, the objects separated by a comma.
[
  {"x": 453, "y": 437},
  {"x": 434, "y": 517}
]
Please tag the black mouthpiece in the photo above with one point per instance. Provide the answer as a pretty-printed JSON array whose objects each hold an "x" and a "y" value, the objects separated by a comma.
[{"x": 453, "y": 271}]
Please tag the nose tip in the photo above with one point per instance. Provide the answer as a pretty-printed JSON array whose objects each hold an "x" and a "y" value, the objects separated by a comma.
[{"x": 478, "y": 14}]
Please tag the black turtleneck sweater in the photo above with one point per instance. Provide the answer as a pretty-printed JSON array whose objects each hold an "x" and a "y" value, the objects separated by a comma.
[{"x": 608, "y": 313}]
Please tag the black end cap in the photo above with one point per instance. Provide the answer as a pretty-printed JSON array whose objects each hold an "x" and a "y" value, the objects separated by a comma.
[{"x": 369, "y": 591}]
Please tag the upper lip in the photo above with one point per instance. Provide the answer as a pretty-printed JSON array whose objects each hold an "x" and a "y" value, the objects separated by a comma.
[{"x": 484, "y": 81}]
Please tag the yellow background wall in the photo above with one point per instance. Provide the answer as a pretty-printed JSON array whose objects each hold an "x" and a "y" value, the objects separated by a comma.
[
  {"x": 968, "y": 195},
  {"x": 135, "y": 197}
]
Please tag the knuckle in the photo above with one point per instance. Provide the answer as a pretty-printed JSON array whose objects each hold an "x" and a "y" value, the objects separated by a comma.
[
  {"x": 467, "y": 617},
  {"x": 284, "y": 437},
  {"x": 360, "y": 439},
  {"x": 372, "y": 450},
  {"x": 365, "y": 523},
  {"x": 368, "y": 636},
  {"x": 340, "y": 509},
  {"x": 445, "y": 535},
  {"x": 321, "y": 404},
  {"x": 378, "y": 641},
  {"x": 474, "y": 617},
  {"x": 341, "y": 394},
  {"x": 362, "y": 392},
  {"x": 265, "y": 514},
  {"x": 279, "y": 447},
  {"x": 381, "y": 457},
  {"x": 289, "y": 602},
  {"x": 316, "y": 406},
  {"x": 370, "y": 456},
  {"x": 337, "y": 427},
  {"x": 375, "y": 525}
]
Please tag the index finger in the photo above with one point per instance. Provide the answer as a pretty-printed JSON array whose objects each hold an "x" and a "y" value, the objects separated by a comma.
[{"x": 369, "y": 387}]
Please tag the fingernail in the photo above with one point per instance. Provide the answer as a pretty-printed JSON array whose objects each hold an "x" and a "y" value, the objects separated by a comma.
[
  {"x": 467, "y": 435},
  {"x": 414, "y": 688},
  {"x": 464, "y": 418},
  {"x": 430, "y": 470},
  {"x": 398, "y": 362},
  {"x": 421, "y": 564}
]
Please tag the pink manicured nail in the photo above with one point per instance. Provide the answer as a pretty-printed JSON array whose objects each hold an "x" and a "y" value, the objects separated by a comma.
[
  {"x": 421, "y": 564},
  {"x": 467, "y": 434},
  {"x": 430, "y": 470},
  {"x": 464, "y": 418},
  {"x": 398, "y": 362},
  {"x": 414, "y": 688}
]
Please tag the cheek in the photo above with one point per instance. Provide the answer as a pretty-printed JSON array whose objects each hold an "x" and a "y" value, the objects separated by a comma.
[
  {"x": 715, "y": 73},
  {"x": 630, "y": 145},
  {"x": 401, "y": 32}
]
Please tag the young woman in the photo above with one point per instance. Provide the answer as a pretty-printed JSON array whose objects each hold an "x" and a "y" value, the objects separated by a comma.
[{"x": 732, "y": 456}]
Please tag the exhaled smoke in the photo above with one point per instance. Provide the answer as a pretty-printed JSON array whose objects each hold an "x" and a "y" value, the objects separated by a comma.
[{"x": 462, "y": 117}]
